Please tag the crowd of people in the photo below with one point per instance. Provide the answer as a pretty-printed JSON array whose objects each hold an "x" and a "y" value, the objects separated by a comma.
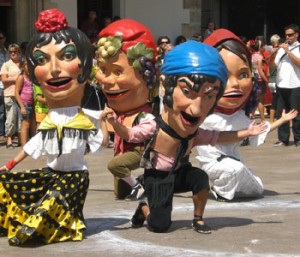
[{"x": 207, "y": 93}]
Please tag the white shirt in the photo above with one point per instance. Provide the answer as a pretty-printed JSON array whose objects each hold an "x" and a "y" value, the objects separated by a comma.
[
  {"x": 73, "y": 149},
  {"x": 288, "y": 73}
]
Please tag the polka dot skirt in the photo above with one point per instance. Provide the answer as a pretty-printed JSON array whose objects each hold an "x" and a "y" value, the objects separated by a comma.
[{"x": 42, "y": 204}]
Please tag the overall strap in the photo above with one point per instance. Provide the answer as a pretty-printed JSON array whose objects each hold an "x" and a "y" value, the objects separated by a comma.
[{"x": 184, "y": 141}]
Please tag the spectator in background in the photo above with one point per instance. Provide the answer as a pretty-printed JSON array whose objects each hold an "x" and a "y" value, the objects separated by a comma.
[
  {"x": 275, "y": 40},
  {"x": 162, "y": 42},
  {"x": 288, "y": 84},
  {"x": 210, "y": 28},
  {"x": 90, "y": 26},
  {"x": 24, "y": 98},
  {"x": 9, "y": 73},
  {"x": 197, "y": 37},
  {"x": 180, "y": 39},
  {"x": 116, "y": 18},
  {"x": 261, "y": 74},
  {"x": 4, "y": 57},
  {"x": 106, "y": 21},
  {"x": 40, "y": 105}
]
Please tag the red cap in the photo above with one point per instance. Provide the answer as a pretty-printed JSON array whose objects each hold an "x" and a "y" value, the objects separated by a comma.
[
  {"x": 132, "y": 32},
  {"x": 221, "y": 35}
]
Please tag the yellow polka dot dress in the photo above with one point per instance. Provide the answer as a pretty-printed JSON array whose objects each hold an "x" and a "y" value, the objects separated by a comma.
[
  {"x": 47, "y": 204},
  {"x": 42, "y": 204}
]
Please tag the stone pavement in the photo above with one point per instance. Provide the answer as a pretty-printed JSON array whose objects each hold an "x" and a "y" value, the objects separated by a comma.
[{"x": 269, "y": 226}]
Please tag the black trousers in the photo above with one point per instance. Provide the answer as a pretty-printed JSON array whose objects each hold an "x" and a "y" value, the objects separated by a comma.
[
  {"x": 288, "y": 99},
  {"x": 187, "y": 178}
]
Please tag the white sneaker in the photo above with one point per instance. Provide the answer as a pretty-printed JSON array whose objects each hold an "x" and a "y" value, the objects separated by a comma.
[{"x": 136, "y": 193}]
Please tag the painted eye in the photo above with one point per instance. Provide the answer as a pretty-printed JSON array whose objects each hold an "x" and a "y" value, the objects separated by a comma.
[
  {"x": 185, "y": 91},
  {"x": 40, "y": 57},
  {"x": 69, "y": 56},
  {"x": 69, "y": 53},
  {"x": 118, "y": 72},
  {"x": 244, "y": 75}
]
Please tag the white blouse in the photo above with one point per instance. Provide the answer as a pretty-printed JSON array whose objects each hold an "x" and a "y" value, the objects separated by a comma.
[{"x": 73, "y": 149}]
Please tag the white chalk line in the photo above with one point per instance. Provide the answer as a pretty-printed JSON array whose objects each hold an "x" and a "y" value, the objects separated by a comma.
[{"x": 115, "y": 245}]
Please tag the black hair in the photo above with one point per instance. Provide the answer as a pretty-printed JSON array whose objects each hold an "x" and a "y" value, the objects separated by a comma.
[
  {"x": 81, "y": 41},
  {"x": 292, "y": 26},
  {"x": 161, "y": 38}
]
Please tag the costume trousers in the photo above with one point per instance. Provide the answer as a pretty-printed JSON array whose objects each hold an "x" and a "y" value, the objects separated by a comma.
[
  {"x": 187, "y": 179},
  {"x": 121, "y": 166},
  {"x": 288, "y": 99},
  {"x": 231, "y": 178}
]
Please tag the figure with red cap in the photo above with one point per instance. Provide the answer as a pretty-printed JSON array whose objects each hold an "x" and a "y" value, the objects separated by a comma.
[
  {"x": 193, "y": 78},
  {"x": 128, "y": 76},
  {"x": 228, "y": 174},
  {"x": 47, "y": 204}
]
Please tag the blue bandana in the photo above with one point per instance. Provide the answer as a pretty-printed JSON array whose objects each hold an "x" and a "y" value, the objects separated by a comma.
[{"x": 193, "y": 57}]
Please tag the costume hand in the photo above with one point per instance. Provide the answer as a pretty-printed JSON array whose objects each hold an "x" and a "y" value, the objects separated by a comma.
[
  {"x": 4, "y": 168},
  {"x": 256, "y": 129},
  {"x": 290, "y": 115},
  {"x": 111, "y": 116}
]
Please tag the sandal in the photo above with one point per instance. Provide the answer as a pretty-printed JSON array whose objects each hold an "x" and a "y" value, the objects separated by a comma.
[
  {"x": 10, "y": 146},
  {"x": 200, "y": 228},
  {"x": 138, "y": 217}
]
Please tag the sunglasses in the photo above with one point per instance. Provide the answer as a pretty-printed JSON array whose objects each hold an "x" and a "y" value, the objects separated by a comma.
[
  {"x": 290, "y": 34},
  {"x": 164, "y": 42},
  {"x": 13, "y": 52}
]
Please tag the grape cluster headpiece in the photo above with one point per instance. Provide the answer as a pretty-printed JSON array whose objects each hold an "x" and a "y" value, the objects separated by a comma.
[{"x": 134, "y": 39}]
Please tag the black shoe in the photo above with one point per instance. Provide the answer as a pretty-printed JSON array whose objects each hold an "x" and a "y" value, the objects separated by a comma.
[
  {"x": 200, "y": 228},
  {"x": 138, "y": 217},
  {"x": 245, "y": 142},
  {"x": 280, "y": 143}
]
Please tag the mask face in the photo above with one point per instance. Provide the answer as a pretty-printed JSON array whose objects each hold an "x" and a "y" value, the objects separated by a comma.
[
  {"x": 190, "y": 107},
  {"x": 123, "y": 86},
  {"x": 239, "y": 83},
  {"x": 58, "y": 67}
]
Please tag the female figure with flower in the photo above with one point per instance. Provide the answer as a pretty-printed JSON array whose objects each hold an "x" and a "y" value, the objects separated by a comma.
[
  {"x": 47, "y": 203},
  {"x": 127, "y": 74}
]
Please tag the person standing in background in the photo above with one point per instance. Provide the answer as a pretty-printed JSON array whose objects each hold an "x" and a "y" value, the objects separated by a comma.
[
  {"x": 90, "y": 26},
  {"x": 9, "y": 73},
  {"x": 4, "y": 57},
  {"x": 24, "y": 98},
  {"x": 40, "y": 105},
  {"x": 211, "y": 27},
  {"x": 273, "y": 72},
  {"x": 287, "y": 61}
]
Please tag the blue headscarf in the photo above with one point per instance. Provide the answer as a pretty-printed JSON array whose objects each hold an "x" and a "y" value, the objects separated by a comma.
[{"x": 192, "y": 57}]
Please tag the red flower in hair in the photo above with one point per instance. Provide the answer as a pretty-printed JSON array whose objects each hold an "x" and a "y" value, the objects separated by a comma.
[{"x": 50, "y": 21}]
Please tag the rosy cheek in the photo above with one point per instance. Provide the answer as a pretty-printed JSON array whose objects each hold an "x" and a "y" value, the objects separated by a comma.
[
  {"x": 40, "y": 73},
  {"x": 73, "y": 68}
]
